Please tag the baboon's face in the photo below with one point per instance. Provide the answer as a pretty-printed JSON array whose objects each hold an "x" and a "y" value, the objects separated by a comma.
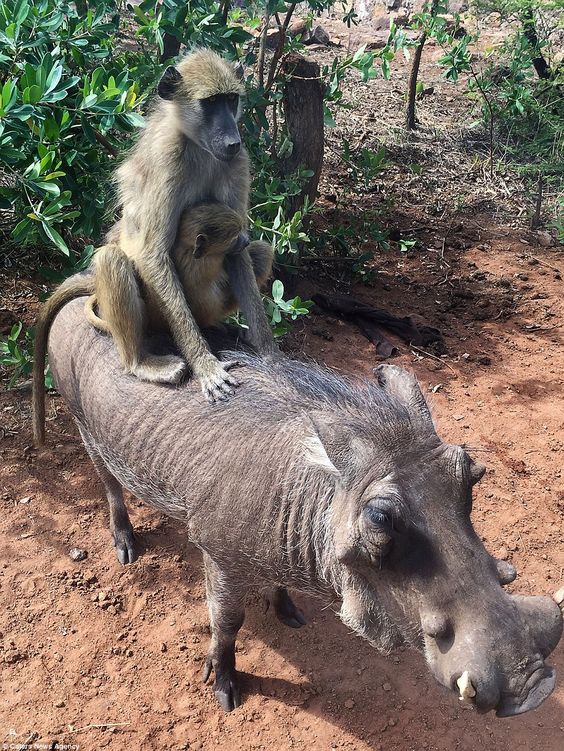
[
  {"x": 210, "y": 122},
  {"x": 218, "y": 132}
]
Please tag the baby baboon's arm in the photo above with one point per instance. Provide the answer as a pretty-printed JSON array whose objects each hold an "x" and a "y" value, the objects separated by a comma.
[
  {"x": 244, "y": 286},
  {"x": 242, "y": 278}
]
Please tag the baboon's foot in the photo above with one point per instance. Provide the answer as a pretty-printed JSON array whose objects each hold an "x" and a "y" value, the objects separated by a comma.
[
  {"x": 160, "y": 369},
  {"x": 285, "y": 609},
  {"x": 124, "y": 541},
  {"x": 217, "y": 384},
  {"x": 226, "y": 684}
]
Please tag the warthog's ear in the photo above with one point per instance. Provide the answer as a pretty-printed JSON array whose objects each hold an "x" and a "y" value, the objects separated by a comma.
[
  {"x": 403, "y": 385},
  {"x": 335, "y": 448}
]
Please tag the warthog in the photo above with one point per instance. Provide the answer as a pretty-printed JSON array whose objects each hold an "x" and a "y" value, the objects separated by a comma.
[{"x": 309, "y": 481}]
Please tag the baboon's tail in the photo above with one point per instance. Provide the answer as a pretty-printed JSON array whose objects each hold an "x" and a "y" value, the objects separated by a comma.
[
  {"x": 74, "y": 286},
  {"x": 92, "y": 316}
]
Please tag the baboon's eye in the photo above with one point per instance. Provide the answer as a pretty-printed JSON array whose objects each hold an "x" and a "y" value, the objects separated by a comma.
[
  {"x": 233, "y": 97},
  {"x": 211, "y": 99}
]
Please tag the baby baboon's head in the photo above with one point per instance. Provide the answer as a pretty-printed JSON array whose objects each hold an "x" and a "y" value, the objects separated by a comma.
[
  {"x": 210, "y": 229},
  {"x": 206, "y": 90}
]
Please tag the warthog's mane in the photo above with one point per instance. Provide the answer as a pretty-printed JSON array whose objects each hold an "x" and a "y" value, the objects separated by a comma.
[{"x": 304, "y": 386}]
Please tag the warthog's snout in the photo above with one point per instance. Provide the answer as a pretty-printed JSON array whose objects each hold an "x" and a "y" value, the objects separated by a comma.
[{"x": 508, "y": 676}]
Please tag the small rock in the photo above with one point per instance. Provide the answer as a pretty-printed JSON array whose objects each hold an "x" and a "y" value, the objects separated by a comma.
[
  {"x": 13, "y": 657},
  {"x": 349, "y": 704},
  {"x": 544, "y": 238},
  {"x": 458, "y": 417},
  {"x": 27, "y": 499},
  {"x": 77, "y": 554},
  {"x": 60, "y": 703},
  {"x": 163, "y": 647},
  {"x": 392, "y": 723},
  {"x": 559, "y": 597},
  {"x": 96, "y": 683},
  {"x": 319, "y": 36},
  {"x": 387, "y": 686},
  {"x": 401, "y": 18},
  {"x": 129, "y": 653},
  {"x": 112, "y": 610},
  {"x": 381, "y": 23},
  {"x": 102, "y": 596},
  {"x": 94, "y": 597},
  {"x": 297, "y": 28}
]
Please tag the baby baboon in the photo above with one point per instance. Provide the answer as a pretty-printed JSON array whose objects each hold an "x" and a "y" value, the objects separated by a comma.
[{"x": 207, "y": 232}]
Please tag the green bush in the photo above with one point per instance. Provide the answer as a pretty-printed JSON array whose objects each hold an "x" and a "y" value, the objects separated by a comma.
[{"x": 67, "y": 98}]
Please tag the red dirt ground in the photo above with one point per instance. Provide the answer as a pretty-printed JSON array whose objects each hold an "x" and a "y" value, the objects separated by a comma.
[{"x": 68, "y": 664}]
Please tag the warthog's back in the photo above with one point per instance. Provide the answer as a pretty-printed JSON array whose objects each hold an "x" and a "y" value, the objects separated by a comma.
[
  {"x": 168, "y": 446},
  {"x": 153, "y": 437}
]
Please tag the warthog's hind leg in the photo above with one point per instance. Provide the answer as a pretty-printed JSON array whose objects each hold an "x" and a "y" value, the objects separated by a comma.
[
  {"x": 120, "y": 526},
  {"x": 284, "y": 607},
  {"x": 226, "y": 604}
]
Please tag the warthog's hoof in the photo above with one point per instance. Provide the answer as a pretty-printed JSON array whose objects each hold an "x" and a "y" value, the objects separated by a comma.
[
  {"x": 285, "y": 609},
  {"x": 124, "y": 540},
  {"x": 226, "y": 685}
]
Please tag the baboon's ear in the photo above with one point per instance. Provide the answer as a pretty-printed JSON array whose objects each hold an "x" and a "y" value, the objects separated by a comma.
[
  {"x": 169, "y": 83},
  {"x": 200, "y": 246},
  {"x": 239, "y": 71}
]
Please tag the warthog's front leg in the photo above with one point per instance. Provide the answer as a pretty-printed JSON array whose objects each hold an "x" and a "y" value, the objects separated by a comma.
[
  {"x": 226, "y": 604},
  {"x": 285, "y": 608}
]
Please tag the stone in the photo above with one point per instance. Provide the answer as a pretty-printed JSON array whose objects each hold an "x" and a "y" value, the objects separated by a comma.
[
  {"x": 77, "y": 554},
  {"x": 544, "y": 238}
]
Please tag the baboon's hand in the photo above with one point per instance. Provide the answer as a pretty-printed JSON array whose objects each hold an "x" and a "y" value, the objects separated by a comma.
[
  {"x": 240, "y": 243},
  {"x": 217, "y": 384}
]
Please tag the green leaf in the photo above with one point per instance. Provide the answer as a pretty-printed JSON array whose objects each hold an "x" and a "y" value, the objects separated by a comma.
[
  {"x": 22, "y": 113},
  {"x": 328, "y": 119},
  {"x": 55, "y": 96},
  {"x": 20, "y": 12},
  {"x": 53, "y": 78},
  {"x": 54, "y": 236},
  {"x": 16, "y": 330},
  {"x": 277, "y": 290}
]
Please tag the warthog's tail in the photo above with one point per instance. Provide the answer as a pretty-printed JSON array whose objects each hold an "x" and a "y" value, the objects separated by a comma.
[{"x": 75, "y": 286}]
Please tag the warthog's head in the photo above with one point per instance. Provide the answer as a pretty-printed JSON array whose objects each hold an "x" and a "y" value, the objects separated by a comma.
[{"x": 409, "y": 565}]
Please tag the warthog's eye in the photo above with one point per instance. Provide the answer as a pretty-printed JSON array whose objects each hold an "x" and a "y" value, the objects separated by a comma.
[
  {"x": 378, "y": 517},
  {"x": 378, "y": 534}
]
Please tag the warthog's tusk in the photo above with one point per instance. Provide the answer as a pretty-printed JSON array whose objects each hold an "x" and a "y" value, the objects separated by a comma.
[
  {"x": 558, "y": 598},
  {"x": 467, "y": 690}
]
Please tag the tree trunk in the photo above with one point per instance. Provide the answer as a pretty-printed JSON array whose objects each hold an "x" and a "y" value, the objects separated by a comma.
[
  {"x": 303, "y": 112},
  {"x": 171, "y": 47},
  {"x": 530, "y": 31},
  {"x": 411, "y": 120}
]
